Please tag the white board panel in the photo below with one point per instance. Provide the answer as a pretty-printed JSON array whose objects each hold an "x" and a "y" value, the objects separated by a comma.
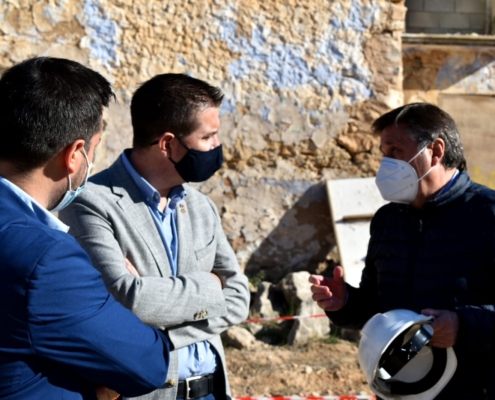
[{"x": 353, "y": 202}]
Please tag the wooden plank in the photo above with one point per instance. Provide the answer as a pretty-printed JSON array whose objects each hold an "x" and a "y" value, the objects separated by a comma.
[{"x": 353, "y": 202}]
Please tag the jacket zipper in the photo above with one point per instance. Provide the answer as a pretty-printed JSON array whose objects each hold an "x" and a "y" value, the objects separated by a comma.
[{"x": 410, "y": 271}]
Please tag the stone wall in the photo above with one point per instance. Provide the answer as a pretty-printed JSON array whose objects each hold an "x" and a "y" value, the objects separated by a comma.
[
  {"x": 448, "y": 16},
  {"x": 303, "y": 80},
  {"x": 460, "y": 80}
]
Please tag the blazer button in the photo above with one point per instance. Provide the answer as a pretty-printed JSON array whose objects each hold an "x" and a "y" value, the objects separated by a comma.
[
  {"x": 171, "y": 382},
  {"x": 203, "y": 314}
]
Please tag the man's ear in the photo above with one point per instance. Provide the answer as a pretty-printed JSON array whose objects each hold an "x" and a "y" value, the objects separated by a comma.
[
  {"x": 438, "y": 151},
  {"x": 166, "y": 142},
  {"x": 70, "y": 155}
]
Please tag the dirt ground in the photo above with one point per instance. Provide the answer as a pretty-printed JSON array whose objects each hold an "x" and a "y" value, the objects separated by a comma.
[{"x": 314, "y": 369}]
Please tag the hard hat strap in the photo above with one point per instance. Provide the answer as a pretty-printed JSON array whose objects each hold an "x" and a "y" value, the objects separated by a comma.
[
  {"x": 430, "y": 380},
  {"x": 400, "y": 354}
]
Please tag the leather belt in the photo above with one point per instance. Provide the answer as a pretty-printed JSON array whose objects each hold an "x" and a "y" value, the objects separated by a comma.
[{"x": 195, "y": 386}]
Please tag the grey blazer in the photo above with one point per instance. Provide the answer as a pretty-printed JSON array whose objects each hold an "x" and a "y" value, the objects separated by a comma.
[{"x": 111, "y": 221}]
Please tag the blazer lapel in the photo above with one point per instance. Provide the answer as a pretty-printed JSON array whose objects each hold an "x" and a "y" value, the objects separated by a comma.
[
  {"x": 131, "y": 202},
  {"x": 184, "y": 228}
]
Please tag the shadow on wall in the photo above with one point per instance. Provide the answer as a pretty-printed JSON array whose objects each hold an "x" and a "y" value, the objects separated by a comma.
[
  {"x": 302, "y": 241},
  {"x": 439, "y": 68}
]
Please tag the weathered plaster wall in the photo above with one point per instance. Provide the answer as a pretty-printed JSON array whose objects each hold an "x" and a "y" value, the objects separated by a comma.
[
  {"x": 461, "y": 80},
  {"x": 303, "y": 81}
]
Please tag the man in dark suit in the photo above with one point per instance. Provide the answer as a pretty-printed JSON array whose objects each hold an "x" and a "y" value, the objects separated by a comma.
[{"x": 62, "y": 335}]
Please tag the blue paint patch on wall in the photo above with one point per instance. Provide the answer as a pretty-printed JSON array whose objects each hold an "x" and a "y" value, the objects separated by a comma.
[
  {"x": 360, "y": 17},
  {"x": 239, "y": 68},
  {"x": 332, "y": 50},
  {"x": 327, "y": 77},
  {"x": 181, "y": 59},
  {"x": 228, "y": 106},
  {"x": 287, "y": 66},
  {"x": 354, "y": 89},
  {"x": 316, "y": 117},
  {"x": 103, "y": 34},
  {"x": 265, "y": 112},
  {"x": 455, "y": 69}
]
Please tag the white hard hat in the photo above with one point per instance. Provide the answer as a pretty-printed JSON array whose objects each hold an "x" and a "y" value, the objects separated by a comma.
[{"x": 398, "y": 362}]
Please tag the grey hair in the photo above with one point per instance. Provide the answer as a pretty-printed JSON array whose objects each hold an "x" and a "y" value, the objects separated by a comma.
[{"x": 424, "y": 123}]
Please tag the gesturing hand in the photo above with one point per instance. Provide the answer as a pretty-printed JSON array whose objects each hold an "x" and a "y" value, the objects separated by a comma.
[
  {"x": 329, "y": 294},
  {"x": 104, "y": 393},
  {"x": 445, "y": 326}
]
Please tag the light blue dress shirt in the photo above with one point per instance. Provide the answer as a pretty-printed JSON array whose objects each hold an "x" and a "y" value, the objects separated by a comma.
[
  {"x": 41, "y": 212},
  {"x": 198, "y": 358}
]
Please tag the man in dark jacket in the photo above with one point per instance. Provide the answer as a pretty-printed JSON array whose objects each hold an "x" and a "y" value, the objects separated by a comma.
[{"x": 432, "y": 249}]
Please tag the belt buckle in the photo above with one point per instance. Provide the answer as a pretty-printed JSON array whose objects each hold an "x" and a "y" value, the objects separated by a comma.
[{"x": 188, "y": 389}]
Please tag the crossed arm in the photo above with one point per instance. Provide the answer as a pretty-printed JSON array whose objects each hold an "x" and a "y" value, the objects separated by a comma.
[{"x": 166, "y": 302}]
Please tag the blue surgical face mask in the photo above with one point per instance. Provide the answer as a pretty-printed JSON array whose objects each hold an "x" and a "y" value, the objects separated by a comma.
[
  {"x": 70, "y": 195},
  {"x": 199, "y": 166}
]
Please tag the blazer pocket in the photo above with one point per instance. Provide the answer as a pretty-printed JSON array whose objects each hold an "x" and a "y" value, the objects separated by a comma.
[{"x": 208, "y": 249}]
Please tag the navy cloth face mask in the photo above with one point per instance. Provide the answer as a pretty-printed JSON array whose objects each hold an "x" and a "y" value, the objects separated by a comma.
[{"x": 199, "y": 166}]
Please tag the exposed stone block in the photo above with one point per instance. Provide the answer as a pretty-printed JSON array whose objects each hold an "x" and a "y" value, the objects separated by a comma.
[
  {"x": 239, "y": 338},
  {"x": 440, "y": 5},
  {"x": 477, "y": 22},
  {"x": 454, "y": 21},
  {"x": 470, "y": 6},
  {"x": 356, "y": 142},
  {"x": 415, "y": 5},
  {"x": 421, "y": 19}
]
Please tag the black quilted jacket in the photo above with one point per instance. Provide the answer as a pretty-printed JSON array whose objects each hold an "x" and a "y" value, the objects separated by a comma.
[{"x": 440, "y": 257}]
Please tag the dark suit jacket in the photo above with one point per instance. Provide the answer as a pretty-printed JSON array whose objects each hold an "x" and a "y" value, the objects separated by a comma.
[{"x": 61, "y": 333}]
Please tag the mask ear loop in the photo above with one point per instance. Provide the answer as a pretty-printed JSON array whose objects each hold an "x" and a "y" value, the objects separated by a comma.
[
  {"x": 70, "y": 180},
  {"x": 419, "y": 152},
  {"x": 425, "y": 174},
  {"x": 412, "y": 159}
]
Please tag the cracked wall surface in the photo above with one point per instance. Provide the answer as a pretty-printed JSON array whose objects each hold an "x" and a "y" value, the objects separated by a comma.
[
  {"x": 302, "y": 82},
  {"x": 461, "y": 80}
]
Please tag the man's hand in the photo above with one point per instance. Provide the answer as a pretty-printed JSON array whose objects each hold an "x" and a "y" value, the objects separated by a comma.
[
  {"x": 218, "y": 279},
  {"x": 445, "y": 325},
  {"x": 329, "y": 294},
  {"x": 132, "y": 270},
  {"x": 104, "y": 393}
]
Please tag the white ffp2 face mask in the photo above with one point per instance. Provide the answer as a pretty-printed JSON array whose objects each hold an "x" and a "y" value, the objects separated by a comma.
[{"x": 397, "y": 180}]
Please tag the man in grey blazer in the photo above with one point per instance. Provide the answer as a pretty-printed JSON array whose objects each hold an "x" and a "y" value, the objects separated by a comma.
[{"x": 158, "y": 242}]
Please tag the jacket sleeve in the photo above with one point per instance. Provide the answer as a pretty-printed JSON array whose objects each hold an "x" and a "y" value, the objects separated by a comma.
[
  {"x": 362, "y": 302},
  {"x": 476, "y": 329},
  {"x": 476, "y": 333},
  {"x": 235, "y": 293},
  {"x": 162, "y": 302},
  {"x": 73, "y": 320}
]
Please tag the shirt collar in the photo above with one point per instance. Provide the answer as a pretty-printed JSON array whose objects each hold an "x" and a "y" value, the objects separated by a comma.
[
  {"x": 41, "y": 212},
  {"x": 449, "y": 183},
  {"x": 150, "y": 195}
]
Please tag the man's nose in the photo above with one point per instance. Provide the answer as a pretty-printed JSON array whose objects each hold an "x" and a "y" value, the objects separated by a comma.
[{"x": 215, "y": 141}]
